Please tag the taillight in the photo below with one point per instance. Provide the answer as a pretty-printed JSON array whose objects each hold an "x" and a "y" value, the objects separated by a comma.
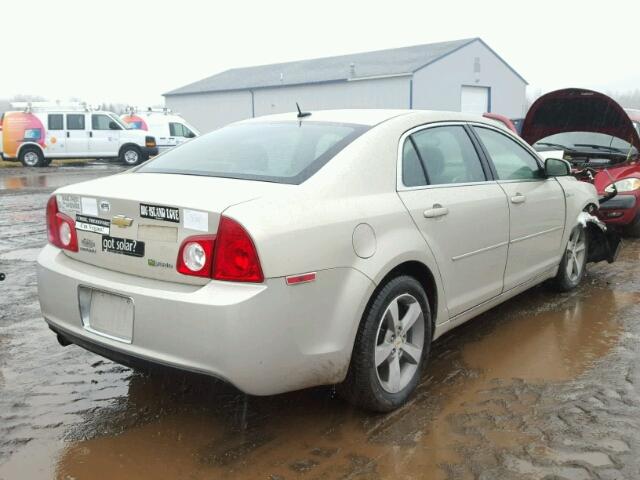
[
  {"x": 235, "y": 257},
  {"x": 195, "y": 256},
  {"x": 61, "y": 229}
]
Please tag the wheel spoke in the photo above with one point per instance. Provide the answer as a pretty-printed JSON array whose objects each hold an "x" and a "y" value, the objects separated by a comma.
[
  {"x": 576, "y": 266},
  {"x": 570, "y": 266},
  {"x": 413, "y": 313},
  {"x": 382, "y": 352},
  {"x": 579, "y": 248},
  {"x": 412, "y": 352},
  {"x": 394, "y": 373},
  {"x": 395, "y": 316}
]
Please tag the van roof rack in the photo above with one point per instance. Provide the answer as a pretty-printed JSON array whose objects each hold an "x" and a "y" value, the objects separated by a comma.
[
  {"x": 49, "y": 106},
  {"x": 148, "y": 110}
]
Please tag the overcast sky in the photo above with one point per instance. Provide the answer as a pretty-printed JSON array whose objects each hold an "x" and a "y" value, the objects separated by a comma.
[{"x": 133, "y": 51}]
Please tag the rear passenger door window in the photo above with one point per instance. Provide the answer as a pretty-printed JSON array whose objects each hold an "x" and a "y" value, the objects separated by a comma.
[
  {"x": 412, "y": 170},
  {"x": 511, "y": 161},
  {"x": 448, "y": 155}
]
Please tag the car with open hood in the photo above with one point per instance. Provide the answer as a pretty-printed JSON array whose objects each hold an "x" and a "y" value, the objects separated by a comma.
[
  {"x": 296, "y": 250},
  {"x": 601, "y": 141}
]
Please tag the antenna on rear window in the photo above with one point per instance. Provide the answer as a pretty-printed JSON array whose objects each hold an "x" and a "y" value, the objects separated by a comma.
[{"x": 302, "y": 114}]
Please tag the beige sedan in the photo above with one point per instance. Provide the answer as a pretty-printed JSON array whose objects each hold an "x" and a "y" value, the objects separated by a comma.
[{"x": 298, "y": 250}]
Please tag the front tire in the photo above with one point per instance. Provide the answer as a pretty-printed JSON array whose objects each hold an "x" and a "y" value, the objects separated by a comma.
[
  {"x": 32, "y": 157},
  {"x": 131, "y": 155},
  {"x": 574, "y": 261},
  {"x": 633, "y": 229},
  {"x": 391, "y": 348}
]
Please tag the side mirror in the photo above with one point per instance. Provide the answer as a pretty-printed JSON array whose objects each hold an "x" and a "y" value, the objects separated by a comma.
[
  {"x": 555, "y": 167},
  {"x": 114, "y": 126}
]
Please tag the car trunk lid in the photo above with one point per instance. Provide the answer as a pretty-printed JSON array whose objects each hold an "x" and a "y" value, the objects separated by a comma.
[{"x": 135, "y": 222}]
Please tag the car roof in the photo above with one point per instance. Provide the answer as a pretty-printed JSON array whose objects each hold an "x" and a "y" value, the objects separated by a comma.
[{"x": 370, "y": 116}]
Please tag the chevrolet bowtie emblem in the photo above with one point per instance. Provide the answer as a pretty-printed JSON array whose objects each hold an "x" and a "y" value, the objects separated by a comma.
[{"x": 122, "y": 221}]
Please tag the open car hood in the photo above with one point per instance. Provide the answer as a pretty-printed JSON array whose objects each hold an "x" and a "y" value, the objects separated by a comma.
[{"x": 577, "y": 110}]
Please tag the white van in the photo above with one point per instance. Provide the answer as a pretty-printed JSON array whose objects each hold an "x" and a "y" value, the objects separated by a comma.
[
  {"x": 40, "y": 132},
  {"x": 169, "y": 129}
]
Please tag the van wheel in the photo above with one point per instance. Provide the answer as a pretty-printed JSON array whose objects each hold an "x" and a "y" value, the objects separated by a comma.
[
  {"x": 32, "y": 157},
  {"x": 131, "y": 155},
  {"x": 574, "y": 261},
  {"x": 391, "y": 347}
]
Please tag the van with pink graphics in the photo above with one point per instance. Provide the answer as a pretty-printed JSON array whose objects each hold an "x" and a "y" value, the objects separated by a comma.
[
  {"x": 169, "y": 129},
  {"x": 36, "y": 133}
]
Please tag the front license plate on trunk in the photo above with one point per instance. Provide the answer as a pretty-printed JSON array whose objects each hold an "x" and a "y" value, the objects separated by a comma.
[
  {"x": 123, "y": 246},
  {"x": 106, "y": 314}
]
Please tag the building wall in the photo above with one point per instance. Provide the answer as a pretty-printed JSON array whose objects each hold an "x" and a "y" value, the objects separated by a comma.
[
  {"x": 208, "y": 111},
  {"x": 438, "y": 86},
  {"x": 379, "y": 93},
  {"x": 435, "y": 87}
]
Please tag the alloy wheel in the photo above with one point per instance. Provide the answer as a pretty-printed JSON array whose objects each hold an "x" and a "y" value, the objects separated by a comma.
[
  {"x": 576, "y": 251},
  {"x": 399, "y": 343}
]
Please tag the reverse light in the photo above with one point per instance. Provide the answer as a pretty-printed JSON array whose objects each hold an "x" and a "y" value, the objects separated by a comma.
[
  {"x": 626, "y": 185},
  {"x": 235, "y": 257},
  {"x": 195, "y": 255},
  {"x": 61, "y": 229}
]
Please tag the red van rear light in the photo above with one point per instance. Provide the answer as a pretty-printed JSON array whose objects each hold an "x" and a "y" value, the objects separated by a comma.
[
  {"x": 235, "y": 257},
  {"x": 61, "y": 229},
  {"x": 195, "y": 255}
]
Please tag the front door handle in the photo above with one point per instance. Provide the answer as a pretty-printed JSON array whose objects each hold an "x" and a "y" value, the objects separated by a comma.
[
  {"x": 518, "y": 198},
  {"x": 436, "y": 211}
]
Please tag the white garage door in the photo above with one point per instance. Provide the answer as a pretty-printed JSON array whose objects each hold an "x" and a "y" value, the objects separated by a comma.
[{"x": 474, "y": 99}]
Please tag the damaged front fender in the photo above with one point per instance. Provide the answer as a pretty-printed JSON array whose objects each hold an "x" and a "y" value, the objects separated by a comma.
[{"x": 604, "y": 244}]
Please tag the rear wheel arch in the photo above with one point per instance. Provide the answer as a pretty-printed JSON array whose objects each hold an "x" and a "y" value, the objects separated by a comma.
[
  {"x": 26, "y": 145},
  {"x": 423, "y": 275},
  {"x": 25, "y": 148}
]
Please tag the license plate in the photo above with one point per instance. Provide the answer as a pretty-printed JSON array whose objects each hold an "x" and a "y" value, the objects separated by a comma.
[
  {"x": 123, "y": 246},
  {"x": 107, "y": 314}
]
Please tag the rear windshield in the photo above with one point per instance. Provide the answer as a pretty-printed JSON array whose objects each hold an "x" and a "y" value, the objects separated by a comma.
[{"x": 280, "y": 152}]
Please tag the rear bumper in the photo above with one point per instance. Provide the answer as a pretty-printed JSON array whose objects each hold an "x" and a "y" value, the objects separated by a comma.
[
  {"x": 621, "y": 210},
  {"x": 264, "y": 339}
]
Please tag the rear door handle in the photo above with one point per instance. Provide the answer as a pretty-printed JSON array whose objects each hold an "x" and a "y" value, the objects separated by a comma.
[
  {"x": 91, "y": 134},
  {"x": 436, "y": 211},
  {"x": 518, "y": 198}
]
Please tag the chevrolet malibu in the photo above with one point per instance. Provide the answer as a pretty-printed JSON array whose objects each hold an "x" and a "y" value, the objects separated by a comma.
[{"x": 309, "y": 249}]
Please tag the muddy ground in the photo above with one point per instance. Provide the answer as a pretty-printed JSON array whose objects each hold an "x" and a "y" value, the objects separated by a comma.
[{"x": 544, "y": 386}]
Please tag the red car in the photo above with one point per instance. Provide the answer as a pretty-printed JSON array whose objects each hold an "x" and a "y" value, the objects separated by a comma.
[{"x": 602, "y": 142}]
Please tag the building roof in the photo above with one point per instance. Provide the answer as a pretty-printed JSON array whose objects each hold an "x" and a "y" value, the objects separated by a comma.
[{"x": 357, "y": 66}]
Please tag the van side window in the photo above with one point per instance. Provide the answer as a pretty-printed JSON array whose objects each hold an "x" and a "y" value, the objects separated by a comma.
[
  {"x": 55, "y": 121},
  {"x": 75, "y": 121},
  {"x": 100, "y": 122},
  {"x": 176, "y": 130}
]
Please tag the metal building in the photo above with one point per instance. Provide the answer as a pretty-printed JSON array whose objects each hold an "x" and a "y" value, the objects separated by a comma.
[{"x": 461, "y": 75}]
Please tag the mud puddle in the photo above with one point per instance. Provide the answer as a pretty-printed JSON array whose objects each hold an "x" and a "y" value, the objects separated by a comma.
[{"x": 484, "y": 378}]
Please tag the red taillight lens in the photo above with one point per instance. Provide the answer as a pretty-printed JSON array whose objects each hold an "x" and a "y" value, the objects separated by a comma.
[
  {"x": 61, "y": 229},
  {"x": 195, "y": 256},
  {"x": 235, "y": 257}
]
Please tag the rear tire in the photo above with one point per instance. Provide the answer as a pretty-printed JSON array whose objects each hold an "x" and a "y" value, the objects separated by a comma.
[
  {"x": 131, "y": 155},
  {"x": 574, "y": 261},
  {"x": 387, "y": 363},
  {"x": 32, "y": 157}
]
